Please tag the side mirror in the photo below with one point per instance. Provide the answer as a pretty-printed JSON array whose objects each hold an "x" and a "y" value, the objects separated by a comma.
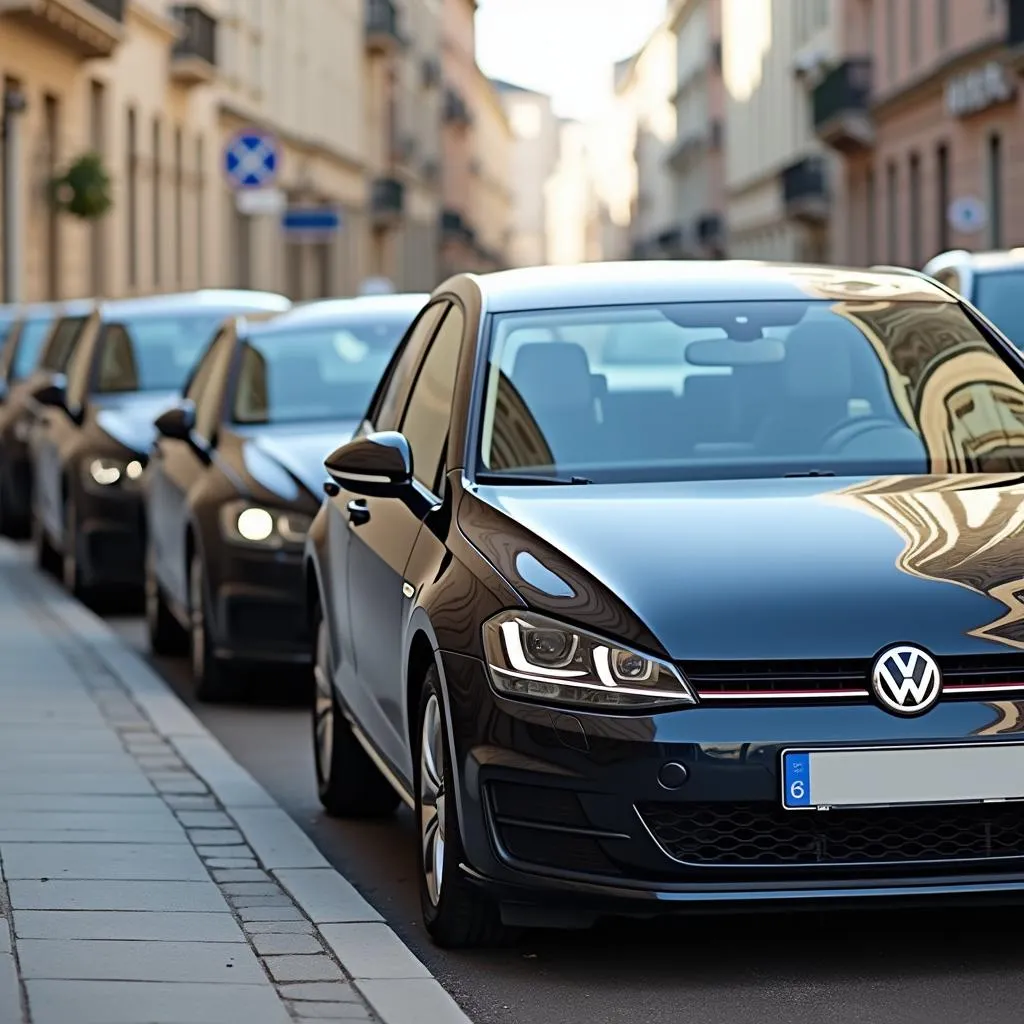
[
  {"x": 52, "y": 394},
  {"x": 177, "y": 423},
  {"x": 378, "y": 465}
]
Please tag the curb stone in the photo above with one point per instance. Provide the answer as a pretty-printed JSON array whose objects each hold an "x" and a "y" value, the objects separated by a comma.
[{"x": 299, "y": 891}]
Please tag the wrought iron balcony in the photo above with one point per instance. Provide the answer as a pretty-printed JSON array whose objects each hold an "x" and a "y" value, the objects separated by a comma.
[
  {"x": 805, "y": 190},
  {"x": 194, "y": 58},
  {"x": 841, "y": 104},
  {"x": 387, "y": 200},
  {"x": 88, "y": 28},
  {"x": 382, "y": 35}
]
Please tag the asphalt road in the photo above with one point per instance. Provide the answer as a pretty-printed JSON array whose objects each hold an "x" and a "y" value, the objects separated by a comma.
[{"x": 914, "y": 968}]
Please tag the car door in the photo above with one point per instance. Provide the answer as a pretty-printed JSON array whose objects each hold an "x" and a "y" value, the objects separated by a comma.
[
  {"x": 384, "y": 532},
  {"x": 177, "y": 467}
]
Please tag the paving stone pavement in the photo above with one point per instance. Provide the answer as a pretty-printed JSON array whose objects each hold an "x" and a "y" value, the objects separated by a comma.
[{"x": 145, "y": 878}]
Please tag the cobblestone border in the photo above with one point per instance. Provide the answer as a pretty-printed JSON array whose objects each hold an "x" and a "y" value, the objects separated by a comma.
[{"x": 329, "y": 954}]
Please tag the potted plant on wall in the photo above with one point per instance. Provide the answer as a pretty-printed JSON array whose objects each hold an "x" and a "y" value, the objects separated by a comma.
[{"x": 84, "y": 189}]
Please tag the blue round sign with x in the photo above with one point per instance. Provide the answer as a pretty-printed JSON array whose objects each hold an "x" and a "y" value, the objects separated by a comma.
[{"x": 251, "y": 160}]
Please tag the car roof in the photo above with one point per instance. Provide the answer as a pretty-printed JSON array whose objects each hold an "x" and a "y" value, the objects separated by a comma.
[
  {"x": 213, "y": 299},
  {"x": 979, "y": 262},
  {"x": 331, "y": 310},
  {"x": 666, "y": 281}
]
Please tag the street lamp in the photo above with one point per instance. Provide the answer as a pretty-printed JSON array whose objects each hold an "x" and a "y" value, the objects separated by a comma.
[{"x": 14, "y": 105}]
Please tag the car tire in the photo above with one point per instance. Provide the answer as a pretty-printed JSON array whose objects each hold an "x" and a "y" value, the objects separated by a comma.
[
  {"x": 457, "y": 914},
  {"x": 167, "y": 637},
  {"x": 46, "y": 556},
  {"x": 215, "y": 680},
  {"x": 348, "y": 783}
]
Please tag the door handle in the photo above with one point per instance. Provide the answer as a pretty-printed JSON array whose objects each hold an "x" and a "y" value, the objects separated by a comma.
[{"x": 358, "y": 513}]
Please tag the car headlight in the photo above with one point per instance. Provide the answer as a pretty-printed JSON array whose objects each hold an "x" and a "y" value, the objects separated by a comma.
[
  {"x": 532, "y": 657},
  {"x": 107, "y": 473},
  {"x": 245, "y": 523}
]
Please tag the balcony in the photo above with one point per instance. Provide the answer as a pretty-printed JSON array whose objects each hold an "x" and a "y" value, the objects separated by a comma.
[
  {"x": 194, "y": 58},
  {"x": 387, "y": 201},
  {"x": 382, "y": 35},
  {"x": 456, "y": 110},
  {"x": 842, "y": 117},
  {"x": 455, "y": 229},
  {"x": 1015, "y": 33},
  {"x": 88, "y": 28},
  {"x": 805, "y": 190}
]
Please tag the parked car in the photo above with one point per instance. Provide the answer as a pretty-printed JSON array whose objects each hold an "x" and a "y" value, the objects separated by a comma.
[
  {"x": 992, "y": 281},
  {"x": 19, "y": 409},
  {"x": 621, "y": 666},
  {"x": 90, "y": 446},
  {"x": 8, "y": 314},
  {"x": 236, "y": 476}
]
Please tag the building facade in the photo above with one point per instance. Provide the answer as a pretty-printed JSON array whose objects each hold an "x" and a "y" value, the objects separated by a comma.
[
  {"x": 573, "y": 217},
  {"x": 696, "y": 159},
  {"x": 924, "y": 108},
  {"x": 535, "y": 153},
  {"x": 779, "y": 180}
]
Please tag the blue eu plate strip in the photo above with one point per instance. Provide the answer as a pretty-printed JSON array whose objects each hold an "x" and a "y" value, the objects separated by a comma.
[{"x": 796, "y": 778}]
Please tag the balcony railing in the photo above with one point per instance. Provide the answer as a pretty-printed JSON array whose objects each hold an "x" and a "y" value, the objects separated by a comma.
[
  {"x": 195, "y": 53},
  {"x": 387, "y": 198},
  {"x": 87, "y": 28},
  {"x": 841, "y": 105},
  {"x": 382, "y": 33},
  {"x": 805, "y": 190}
]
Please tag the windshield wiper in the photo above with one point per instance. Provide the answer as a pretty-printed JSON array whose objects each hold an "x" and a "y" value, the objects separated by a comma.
[
  {"x": 810, "y": 472},
  {"x": 529, "y": 478}
]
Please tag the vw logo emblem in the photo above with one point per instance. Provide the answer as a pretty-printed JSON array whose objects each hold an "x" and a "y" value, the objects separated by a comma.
[{"x": 906, "y": 680}]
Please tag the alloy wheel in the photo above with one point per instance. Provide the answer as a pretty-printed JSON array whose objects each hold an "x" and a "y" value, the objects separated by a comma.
[
  {"x": 432, "y": 799},
  {"x": 323, "y": 708}
]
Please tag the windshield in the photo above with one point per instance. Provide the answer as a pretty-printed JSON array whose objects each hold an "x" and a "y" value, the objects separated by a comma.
[
  {"x": 1000, "y": 296},
  {"x": 30, "y": 343},
  {"x": 761, "y": 389},
  {"x": 155, "y": 352},
  {"x": 322, "y": 372}
]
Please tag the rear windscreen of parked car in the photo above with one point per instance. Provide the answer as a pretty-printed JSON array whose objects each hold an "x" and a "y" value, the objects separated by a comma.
[
  {"x": 724, "y": 390},
  {"x": 1000, "y": 296},
  {"x": 323, "y": 372}
]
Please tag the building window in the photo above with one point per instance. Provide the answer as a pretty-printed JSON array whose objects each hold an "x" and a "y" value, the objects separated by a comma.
[
  {"x": 871, "y": 219},
  {"x": 942, "y": 179},
  {"x": 890, "y": 40},
  {"x": 51, "y": 116},
  {"x": 179, "y": 209},
  {"x": 157, "y": 185},
  {"x": 941, "y": 23},
  {"x": 132, "y": 220},
  {"x": 914, "y": 31},
  {"x": 200, "y": 209},
  {"x": 995, "y": 190},
  {"x": 915, "y": 210},
  {"x": 892, "y": 212}
]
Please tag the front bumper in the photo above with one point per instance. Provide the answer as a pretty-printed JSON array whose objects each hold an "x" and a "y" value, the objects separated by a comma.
[
  {"x": 566, "y": 813},
  {"x": 110, "y": 539},
  {"x": 259, "y": 600}
]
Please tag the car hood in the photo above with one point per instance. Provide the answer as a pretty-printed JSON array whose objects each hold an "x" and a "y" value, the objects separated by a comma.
[
  {"x": 285, "y": 458},
  {"x": 784, "y": 569},
  {"x": 128, "y": 418}
]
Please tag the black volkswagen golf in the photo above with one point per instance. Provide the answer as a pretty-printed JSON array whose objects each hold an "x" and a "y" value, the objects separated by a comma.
[
  {"x": 237, "y": 475},
  {"x": 89, "y": 446},
  {"x": 678, "y": 587}
]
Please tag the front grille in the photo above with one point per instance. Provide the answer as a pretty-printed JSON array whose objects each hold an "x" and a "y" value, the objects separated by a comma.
[
  {"x": 764, "y": 835},
  {"x": 972, "y": 676}
]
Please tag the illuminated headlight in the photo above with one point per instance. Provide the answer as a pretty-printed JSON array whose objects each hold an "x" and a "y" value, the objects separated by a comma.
[
  {"x": 103, "y": 472},
  {"x": 245, "y": 523},
  {"x": 532, "y": 657}
]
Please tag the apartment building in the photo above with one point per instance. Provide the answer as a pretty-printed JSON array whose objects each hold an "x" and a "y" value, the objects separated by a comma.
[
  {"x": 573, "y": 225},
  {"x": 779, "y": 180},
  {"x": 923, "y": 106},
  {"x": 492, "y": 200},
  {"x": 128, "y": 81},
  {"x": 535, "y": 152}
]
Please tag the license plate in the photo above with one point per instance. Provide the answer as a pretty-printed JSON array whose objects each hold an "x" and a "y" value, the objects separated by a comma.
[{"x": 902, "y": 776}]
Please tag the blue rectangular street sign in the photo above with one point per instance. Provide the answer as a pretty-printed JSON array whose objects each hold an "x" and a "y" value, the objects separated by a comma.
[{"x": 314, "y": 220}]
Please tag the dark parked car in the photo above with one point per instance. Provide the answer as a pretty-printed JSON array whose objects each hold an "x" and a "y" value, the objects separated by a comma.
[
  {"x": 18, "y": 408},
  {"x": 237, "y": 475},
  {"x": 90, "y": 445},
  {"x": 631, "y": 652}
]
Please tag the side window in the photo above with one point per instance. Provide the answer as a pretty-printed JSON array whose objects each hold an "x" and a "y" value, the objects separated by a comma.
[
  {"x": 77, "y": 371},
  {"x": 428, "y": 412},
  {"x": 251, "y": 403},
  {"x": 201, "y": 374},
  {"x": 61, "y": 344},
  {"x": 387, "y": 403},
  {"x": 211, "y": 398},
  {"x": 118, "y": 370}
]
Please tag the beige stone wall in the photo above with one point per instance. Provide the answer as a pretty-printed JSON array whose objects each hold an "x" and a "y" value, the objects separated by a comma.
[{"x": 491, "y": 199}]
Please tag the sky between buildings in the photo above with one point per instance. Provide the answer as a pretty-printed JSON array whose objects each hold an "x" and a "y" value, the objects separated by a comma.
[{"x": 563, "y": 47}]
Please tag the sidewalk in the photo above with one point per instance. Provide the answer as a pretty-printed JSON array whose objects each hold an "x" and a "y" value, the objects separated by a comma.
[{"x": 146, "y": 877}]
